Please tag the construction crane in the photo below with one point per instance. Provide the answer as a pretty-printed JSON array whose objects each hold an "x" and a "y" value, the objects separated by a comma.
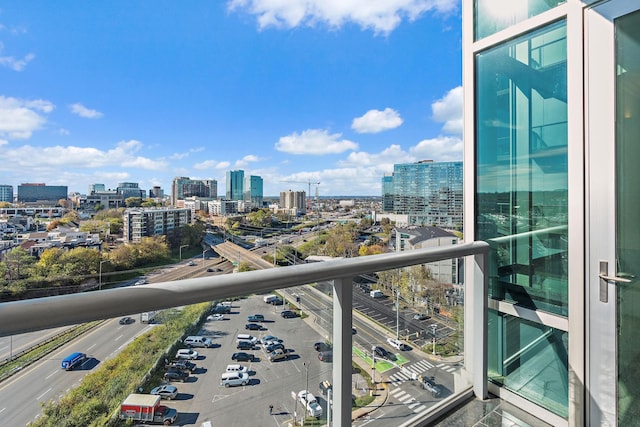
[{"x": 309, "y": 192}]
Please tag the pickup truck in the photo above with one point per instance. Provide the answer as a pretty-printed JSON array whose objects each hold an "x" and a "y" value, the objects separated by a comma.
[
  {"x": 279, "y": 354},
  {"x": 309, "y": 401},
  {"x": 256, "y": 318}
]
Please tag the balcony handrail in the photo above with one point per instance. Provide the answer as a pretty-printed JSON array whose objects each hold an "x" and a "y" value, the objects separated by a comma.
[{"x": 49, "y": 312}]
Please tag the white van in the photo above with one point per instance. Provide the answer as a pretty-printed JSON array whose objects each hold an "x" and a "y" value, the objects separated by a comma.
[
  {"x": 237, "y": 368},
  {"x": 247, "y": 337},
  {"x": 269, "y": 298},
  {"x": 376, "y": 294},
  {"x": 234, "y": 378},
  {"x": 198, "y": 341}
]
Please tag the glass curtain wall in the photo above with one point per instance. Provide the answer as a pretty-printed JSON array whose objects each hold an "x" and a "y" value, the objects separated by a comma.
[
  {"x": 522, "y": 208},
  {"x": 627, "y": 208}
]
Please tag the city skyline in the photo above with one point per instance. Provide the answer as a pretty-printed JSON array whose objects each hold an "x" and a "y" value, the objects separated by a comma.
[{"x": 294, "y": 93}]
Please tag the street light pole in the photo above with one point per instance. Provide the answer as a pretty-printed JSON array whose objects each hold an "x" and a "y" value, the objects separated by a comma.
[
  {"x": 183, "y": 246},
  {"x": 433, "y": 328},
  {"x": 100, "y": 275},
  {"x": 203, "y": 252},
  {"x": 397, "y": 313},
  {"x": 373, "y": 365}
]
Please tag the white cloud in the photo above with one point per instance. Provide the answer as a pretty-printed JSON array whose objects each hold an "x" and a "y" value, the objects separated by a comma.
[
  {"x": 223, "y": 165},
  {"x": 381, "y": 16},
  {"x": 375, "y": 121},
  {"x": 63, "y": 132},
  {"x": 316, "y": 142},
  {"x": 20, "y": 118},
  {"x": 440, "y": 149},
  {"x": 123, "y": 155},
  {"x": 383, "y": 161},
  {"x": 448, "y": 110},
  {"x": 15, "y": 64},
  {"x": 244, "y": 162},
  {"x": 85, "y": 112}
]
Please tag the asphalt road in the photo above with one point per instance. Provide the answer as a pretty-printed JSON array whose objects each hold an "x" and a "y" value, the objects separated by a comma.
[{"x": 22, "y": 395}]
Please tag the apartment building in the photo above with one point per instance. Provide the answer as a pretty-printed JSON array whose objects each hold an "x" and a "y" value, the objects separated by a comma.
[{"x": 140, "y": 222}]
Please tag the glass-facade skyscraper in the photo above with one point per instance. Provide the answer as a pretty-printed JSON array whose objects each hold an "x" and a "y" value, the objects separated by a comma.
[
  {"x": 430, "y": 193},
  {"x": 253, "y": 190},
  {"x": 235, "y": 185},
  {"x": 6, "y": 193}
]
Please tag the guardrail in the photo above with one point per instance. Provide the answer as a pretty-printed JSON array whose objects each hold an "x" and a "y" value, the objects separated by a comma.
[{"x": 29, "y": 315}]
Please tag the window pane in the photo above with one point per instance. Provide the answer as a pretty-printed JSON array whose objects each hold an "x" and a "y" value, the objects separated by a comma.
[
  {"x": 522, "y": 168},
  {"x": 530, "y": 360},
  {"x": 492, "y": 16}
]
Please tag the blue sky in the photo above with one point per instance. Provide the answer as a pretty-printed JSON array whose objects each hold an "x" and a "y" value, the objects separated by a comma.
[{"x": 329, "y": 91}]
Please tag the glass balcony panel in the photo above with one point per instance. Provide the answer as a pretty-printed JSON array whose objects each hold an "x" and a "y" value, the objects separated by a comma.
[{"x": 529, "y": 359}]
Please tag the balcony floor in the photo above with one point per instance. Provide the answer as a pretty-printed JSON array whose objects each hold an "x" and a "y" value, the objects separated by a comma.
[{"x": 492, "y": 412}]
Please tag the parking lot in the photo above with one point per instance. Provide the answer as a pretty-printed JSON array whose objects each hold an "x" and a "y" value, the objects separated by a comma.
[{"x": 202, "y": 398}]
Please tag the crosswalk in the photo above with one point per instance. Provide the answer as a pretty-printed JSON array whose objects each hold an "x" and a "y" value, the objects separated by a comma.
[
  {"x": 408, "y": 400},
  {"x": 411, "y": 372}
]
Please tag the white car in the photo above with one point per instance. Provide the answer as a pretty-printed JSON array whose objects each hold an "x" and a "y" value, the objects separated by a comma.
[
  {"x": 397, "y": 344},
  {"x": 216, "y": 316},
  {"x": 187, "y": 353},
  {"x": 269, "y": 339}
]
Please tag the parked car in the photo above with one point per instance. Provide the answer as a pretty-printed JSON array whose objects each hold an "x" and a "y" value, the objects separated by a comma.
[
  {"x": 321, "y": 346},
  {"x": 186, "y": 353},
  {"x": 430, "y": 385},
  {"x": 420, "y": 316},
  {"x": 288, "y": 314},
  {"x": 269, "y": 339},
  {"x": 165, "y": 391},
  {"x": 276, "y": 301},
  {"x": 176, "y": 375},
  {"x": 243, "y": 357},
  {"x": 325, "y": 356},
  {"x": 209, "y": 270},
  {"x": 255, "y": 318},
  {"x": 126, "y": 320},
  {"x": 245, "y": 345},
  {"x": 183, "y": 365},
  {"x": 274, "y": 346},
  {"x": 217, "y": 316},
  {"x": 253, "y": 327},
  {"x": 383, "y": 353},
  {"x": 222, "y": 309}
]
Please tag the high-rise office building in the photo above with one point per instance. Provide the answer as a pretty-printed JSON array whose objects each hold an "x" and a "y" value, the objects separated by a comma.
[
  {"x": 183, "y": 187},
  {"x": 40, "y": 192},
  {"x": 235, "y": 185},
  {"x": 130, "y": 189},
  {"x": 551, "y": 134},
  {"x": 95, "y": 188},
  {"x": 6, "y": 193},
  {"x": 387, "y": 193},
  {"x": 430, "y": 193},
  {"x": 253, "y": 190}
]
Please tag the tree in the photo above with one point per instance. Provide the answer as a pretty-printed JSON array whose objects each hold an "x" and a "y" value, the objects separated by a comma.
[
  {"x": 151, "y": 249},
  {"x": 80, "y": 262},
  {"x": 5, "y": 205},
  {"x": 18, "y": 263},
  {"x": 123, "y": 257},
  {"x": 54, "y": 224},
  {"x": 133, "y": 202}
]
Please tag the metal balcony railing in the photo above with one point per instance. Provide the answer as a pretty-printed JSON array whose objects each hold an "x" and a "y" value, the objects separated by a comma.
[{"x": 44, "y": 313}]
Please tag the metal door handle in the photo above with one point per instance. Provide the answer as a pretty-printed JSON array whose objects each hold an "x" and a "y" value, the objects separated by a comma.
[
  {"x": 605, "y": 279},
  {"x": 614, "y": 279}
]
